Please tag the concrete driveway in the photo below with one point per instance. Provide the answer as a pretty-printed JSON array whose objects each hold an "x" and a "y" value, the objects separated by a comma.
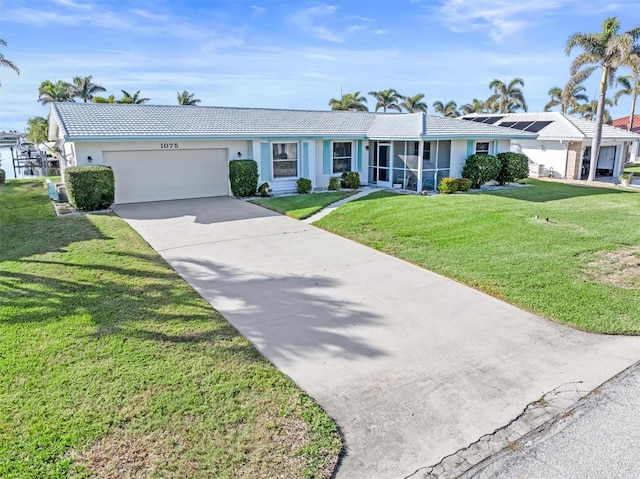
[{"x": 411, "y": 365}]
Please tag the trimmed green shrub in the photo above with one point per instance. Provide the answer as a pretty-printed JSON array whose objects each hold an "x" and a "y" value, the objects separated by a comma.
[
  {"x": 303, "y": 185},
  {"x": 448, "y": 185},
  {"x": 464, "y": 184},
  {"x": 89, "y": 188},
  {"x": 334, "y": 183},
  {"x": 264, "y": 190},
  {"x": 350, "y": 179},
  {"x": 3, "y": 176},
  {"x": 513, "y": 167},
  {"x": 243, "y": 176},
  {"x": 480, "y": 169}
]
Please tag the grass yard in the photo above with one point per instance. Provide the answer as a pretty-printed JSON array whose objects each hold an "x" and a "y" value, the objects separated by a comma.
[
  {"x": 302, "y": 206},
  {"x": 112, "y": 366},
  {"x": 581, "y": 267},
  {"x": 634, "y": 168}
]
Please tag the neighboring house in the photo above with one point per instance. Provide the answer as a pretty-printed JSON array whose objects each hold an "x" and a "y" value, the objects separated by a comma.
[
  {"x": 173, "y": 152},
  {"x": 623, "y": 123},
  {"x": 563, "y": 146}
]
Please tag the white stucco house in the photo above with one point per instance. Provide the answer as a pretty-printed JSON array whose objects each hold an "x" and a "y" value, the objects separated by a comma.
[
  {"x": 173, "y": 152},
  {"x": 562, "y": 148}
]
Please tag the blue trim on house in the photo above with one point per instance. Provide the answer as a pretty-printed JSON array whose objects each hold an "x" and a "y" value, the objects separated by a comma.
[
  {"x": 470, "y": 144},
  {"x": 359, "y": 157},
  {"x": 265, "y": 161},
  {"x": 326, "y": 157}
]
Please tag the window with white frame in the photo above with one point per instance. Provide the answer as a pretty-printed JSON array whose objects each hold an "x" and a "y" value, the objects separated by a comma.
[
  {"x": 341, "y": 156},
  {"x": 482, "y": 148},
  {"x": 285, "y": 160}
]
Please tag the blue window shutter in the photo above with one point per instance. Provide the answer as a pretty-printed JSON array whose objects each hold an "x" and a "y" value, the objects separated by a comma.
[
  {"x": 359, "y": 157},
  {"x": 305, "y": 159},
  {"x": 265, "y": 161},
  {"x": 495, "y": 147},
  {"x": 326, "y": 157},
  {"x": 470, "y": 148}
]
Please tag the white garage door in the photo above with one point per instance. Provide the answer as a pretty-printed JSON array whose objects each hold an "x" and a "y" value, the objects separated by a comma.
[{"x": 154, "y": 175}]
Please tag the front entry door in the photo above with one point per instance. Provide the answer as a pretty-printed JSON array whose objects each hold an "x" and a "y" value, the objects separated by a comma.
[{"x": 383, "y": 165}]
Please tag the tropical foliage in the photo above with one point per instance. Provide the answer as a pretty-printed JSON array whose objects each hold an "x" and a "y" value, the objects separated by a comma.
[
  {"x": 349, "y": 102},
  {"x": 607, "y": 50},
  {"x": 38, "y": 129},
  {"x": 50, "y": 92},
  {"x": 102, "y": 99},
  {"x": 569, "y": 97},
  {"x": 506, "y": 97},
  {"x": 5, "y": 62},
  {"x": 629, "y": 85},
  {"x": 413, "y": 104},
  {"x": 84, "y": 88},
  {"x": 186, "y": 98},
  {"x": 386, "y": 99},
  {"x": 135, "y": 98},
  {"x": 589, "y": 110},
  {"x": 476, "y": 106},
  {"x": 449, "y": 110}
]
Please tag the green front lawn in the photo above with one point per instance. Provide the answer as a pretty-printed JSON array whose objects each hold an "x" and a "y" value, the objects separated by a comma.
[
  {"x": 110, "y": 364},
  {"x": 581, "y": 267},
  {"x": 635, "y": 169},
  {"x": 302, "y": 206}
]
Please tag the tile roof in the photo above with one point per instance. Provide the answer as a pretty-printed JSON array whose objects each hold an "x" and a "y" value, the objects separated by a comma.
[
  {"x": 624, "y": 122},
  {"x": 563, "y": 127},
  {"x": 99, "y": 121}
]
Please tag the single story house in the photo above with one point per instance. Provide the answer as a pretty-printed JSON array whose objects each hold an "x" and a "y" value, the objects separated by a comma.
[
  {"x": 562, "y": 148},
  {"x": 172, "y": 152},
  {"x": 634, "y": 150}
]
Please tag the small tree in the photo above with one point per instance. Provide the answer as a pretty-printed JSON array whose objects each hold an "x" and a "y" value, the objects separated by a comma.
[
  {"x": 480, "y": 169},
  {"x": 38, "y": 130},
  {"x": 513, "y": 167}
]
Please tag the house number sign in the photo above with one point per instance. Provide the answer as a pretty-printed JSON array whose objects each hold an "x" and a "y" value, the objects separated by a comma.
[{"x": 168, "y": 145}]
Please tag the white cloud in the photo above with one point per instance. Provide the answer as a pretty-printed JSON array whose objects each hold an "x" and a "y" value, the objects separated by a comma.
[
  {"x": 258, "y": 11},
  {"x": 308, "y": 20},
  {"x": 500, "y": 18}
]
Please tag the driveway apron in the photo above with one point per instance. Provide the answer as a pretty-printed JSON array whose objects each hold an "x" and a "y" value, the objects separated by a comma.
[{"x": 411, "y": 365}]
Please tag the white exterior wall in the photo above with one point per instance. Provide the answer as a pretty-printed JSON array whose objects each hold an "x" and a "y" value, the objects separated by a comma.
[
  {"x": 458, "y": 157},
  {"x": 551, "y": 154},
  {"x": 503, "y": 145},
  {"x": 322, "y": 179}
]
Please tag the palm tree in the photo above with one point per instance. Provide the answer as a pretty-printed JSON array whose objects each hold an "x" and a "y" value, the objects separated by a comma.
[
  {"x": 349, "y": 101},
  {"x": 186, "y": 98},
  {"x": 630, "y": 86},
  {"x": 607, "y": 50},
  {"x": 413, "y": 104},
  {"x": 83, "y": 87},
  {"x": 569, "y": 97},
  {"x": 7, "y": 63},
  {"x": 450, "y": 110},
  {"x": 386, "y": 99},
  {"x": 50, "y": 92},
  {"x": 589, "y": 110},
  {"x": 101, "y": 99},
  {"x": 476, "y": 106},
  {"x": 506, "y": 98},
  {"x": 129, "y": 98}
]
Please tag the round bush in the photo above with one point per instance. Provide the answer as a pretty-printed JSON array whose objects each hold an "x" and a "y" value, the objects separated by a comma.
[
  {"x": 448, "y": 185},
  {"x": 303, "y": 185},
  {"x": 513, "y": 167},
  {"x": 334, "y": 183},
  {"x": 464, "y": 184},
  {"x": 480, "y": 169},
  {"x": 350, "y": 179}
]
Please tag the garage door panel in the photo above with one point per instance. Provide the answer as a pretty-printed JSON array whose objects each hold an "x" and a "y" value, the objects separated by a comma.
[{"x": 154, "y": 175}]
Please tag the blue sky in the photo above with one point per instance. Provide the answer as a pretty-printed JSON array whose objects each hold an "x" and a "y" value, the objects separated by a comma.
[{"x": 294, "y": 54}]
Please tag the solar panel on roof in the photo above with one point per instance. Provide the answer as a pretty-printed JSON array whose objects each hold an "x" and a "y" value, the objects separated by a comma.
[
  {"x": 507, "y": 124},
  {"x": 492, "y": 119},
  {"x": 479, "y": 119},
  {"x": 536, "y": 126},
  {"x": 521, "y": 125}
]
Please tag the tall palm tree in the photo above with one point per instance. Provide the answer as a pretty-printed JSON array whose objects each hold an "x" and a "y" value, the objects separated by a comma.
[
  {"x": 567, "y": 98},
  {"x": 607, "y": 50},
  {"x": 186, "y": 98},
  {"x": 84, "y": 88},
  {"x": 630, "y": 85},
  {"x": 589, "y": 110},
  {"x": 7, "y": 63},
  {"x": 507, "y": 98},
  {"x": 449, "y": 110},
  {"x": 476, "y": 106},
  {"x": 413, "y": 104},
  {"x": 386, "y": 99},
  {"x": 349, "y": 101},
  {"x": 50, "y": 92},
  {"x": 129, "y": 98}
]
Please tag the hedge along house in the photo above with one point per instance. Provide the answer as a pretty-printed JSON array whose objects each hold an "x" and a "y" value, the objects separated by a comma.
[
  {"x": 562, "y": 148},
  {"x": 175, "y": 152}
]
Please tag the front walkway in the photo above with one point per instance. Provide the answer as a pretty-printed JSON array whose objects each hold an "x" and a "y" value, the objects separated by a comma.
[{"x": 411, "y": 365}]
